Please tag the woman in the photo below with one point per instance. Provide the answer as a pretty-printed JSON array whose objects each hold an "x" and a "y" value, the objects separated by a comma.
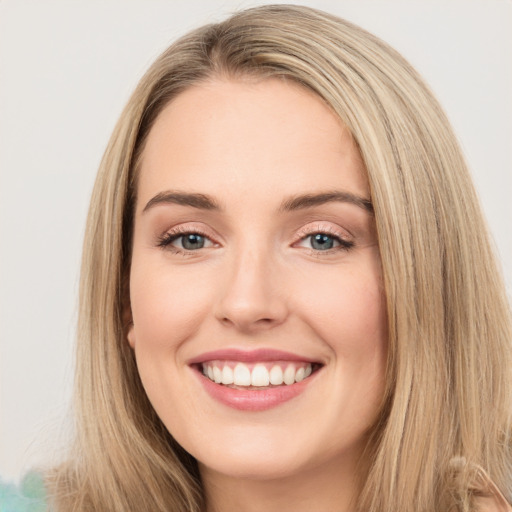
[{"x": 288, "y": 297}]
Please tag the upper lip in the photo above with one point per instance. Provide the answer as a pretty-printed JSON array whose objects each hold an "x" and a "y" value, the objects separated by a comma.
[{"x": 250, "y": 356}]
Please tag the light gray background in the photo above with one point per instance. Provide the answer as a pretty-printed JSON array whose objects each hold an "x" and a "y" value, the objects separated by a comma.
[{"x": 66, "y": 70}]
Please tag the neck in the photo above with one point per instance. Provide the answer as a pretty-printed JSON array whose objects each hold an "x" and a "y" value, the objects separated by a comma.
[{"x": 331, "y": 488}]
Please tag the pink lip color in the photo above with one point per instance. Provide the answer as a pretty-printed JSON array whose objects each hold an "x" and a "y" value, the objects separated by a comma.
[
  {"x": 249, "y": 356},
  {"x": 251, "y": 399}
]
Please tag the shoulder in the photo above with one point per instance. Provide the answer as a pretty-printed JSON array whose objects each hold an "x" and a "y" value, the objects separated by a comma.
[
  {"x": 488, "y": 498},
  {"x": 492, "y": 504},
  {"x": 30, "y": 496}
]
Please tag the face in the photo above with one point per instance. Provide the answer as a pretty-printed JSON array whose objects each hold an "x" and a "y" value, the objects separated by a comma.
[{"x": 258, "y": 312}]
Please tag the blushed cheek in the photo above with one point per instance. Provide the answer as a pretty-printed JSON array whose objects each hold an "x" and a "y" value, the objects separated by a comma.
[
  {"x": 150, "y": 313},
  {"x": 350, "y": 315},
  {"x": 167, "y": 307},
  {"x": 373, "y": 327}
]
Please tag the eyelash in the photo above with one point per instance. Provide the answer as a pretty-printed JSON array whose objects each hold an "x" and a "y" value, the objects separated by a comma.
[
  {"x": 344, "y": 244},
  {"x": 165, "y": 241}
]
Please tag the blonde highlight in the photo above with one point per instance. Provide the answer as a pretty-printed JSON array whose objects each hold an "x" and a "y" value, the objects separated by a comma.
[{"x": 449, "y": 336}]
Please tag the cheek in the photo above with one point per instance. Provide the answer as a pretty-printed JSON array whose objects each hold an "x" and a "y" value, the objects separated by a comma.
[
  {"x": 166, "y": 306},
  {"x": 350, "y": 318},
  {"x": 349, "y": 313}
]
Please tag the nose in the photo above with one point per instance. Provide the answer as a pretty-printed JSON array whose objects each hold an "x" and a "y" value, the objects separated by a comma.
[{"x": 253, "y": 297}]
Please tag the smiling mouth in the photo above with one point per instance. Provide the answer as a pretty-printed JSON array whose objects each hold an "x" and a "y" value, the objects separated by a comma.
[{"x": 256, "y": 376}]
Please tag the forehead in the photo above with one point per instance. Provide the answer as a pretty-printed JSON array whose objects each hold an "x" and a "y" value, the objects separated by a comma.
[{"x": 244, "y": 136}]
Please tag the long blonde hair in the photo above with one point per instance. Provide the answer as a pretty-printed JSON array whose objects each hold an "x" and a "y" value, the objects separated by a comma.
[{"x": 449, "y": 367}]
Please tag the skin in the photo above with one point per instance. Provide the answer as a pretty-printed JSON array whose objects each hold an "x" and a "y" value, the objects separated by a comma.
[{"x": 258, "y": 283}]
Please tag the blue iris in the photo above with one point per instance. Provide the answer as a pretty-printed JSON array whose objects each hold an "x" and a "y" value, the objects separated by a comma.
[
  {"x": 192, "y": 241},
  {"x": 322, "y": 242}
]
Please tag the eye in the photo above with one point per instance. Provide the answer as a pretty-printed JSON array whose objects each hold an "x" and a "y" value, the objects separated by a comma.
[
  {"x": 191, "y": 241},
  {"x": 184, "y": 242},
  {"x": 324, "y": 242}
]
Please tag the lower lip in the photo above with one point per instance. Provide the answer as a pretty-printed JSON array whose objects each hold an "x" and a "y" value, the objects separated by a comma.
[{"x": 253, "y": 399}]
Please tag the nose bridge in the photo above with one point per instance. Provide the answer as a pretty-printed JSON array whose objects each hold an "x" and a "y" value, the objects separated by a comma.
[{"x": 251, "y": 297}]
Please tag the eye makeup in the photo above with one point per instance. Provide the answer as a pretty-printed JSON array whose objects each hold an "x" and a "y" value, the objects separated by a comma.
[{"x": 317, "y": 239}]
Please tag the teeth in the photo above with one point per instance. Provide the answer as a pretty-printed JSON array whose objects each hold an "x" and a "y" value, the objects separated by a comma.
[
  {"x": 258, "y": 375},
  {"x": 227, "y": 375},
  {"x": 289, "y": 375},
  {"x": 242, "y": 375},
  {"x": 276, "y": 375},
  {"x": 217, "y": 375}
]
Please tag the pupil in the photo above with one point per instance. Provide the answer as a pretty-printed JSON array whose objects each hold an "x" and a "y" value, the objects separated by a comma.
[
  {"x": 322, "y": 242},
  {"x": 193, "y": 241}
]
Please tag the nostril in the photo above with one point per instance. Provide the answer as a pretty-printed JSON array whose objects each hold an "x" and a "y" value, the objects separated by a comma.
[{"x": 240, "y": 323}]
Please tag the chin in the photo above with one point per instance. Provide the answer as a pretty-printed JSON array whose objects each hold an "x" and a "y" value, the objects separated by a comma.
[{"x": 263, "y": 467}]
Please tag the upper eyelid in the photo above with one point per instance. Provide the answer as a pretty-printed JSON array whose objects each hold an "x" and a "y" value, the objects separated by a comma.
[
  {"x": 178, "y": 230},
  {"x": 318, "y": 227},
  {"x": 183, "y": 229},
  {"x": 306, "y": 230},
  {"x": 306, "y": 227}
]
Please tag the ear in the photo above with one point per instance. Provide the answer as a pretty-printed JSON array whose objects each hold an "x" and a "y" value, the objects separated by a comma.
[
  {"x": 129, "y": 328},
  {"x": 127, "y": 316},
  {"x": 130, "y": 335}
]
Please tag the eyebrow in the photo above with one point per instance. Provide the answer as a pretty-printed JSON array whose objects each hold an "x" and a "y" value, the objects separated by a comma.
[
  {"x": 310, "y": 200},
  {"x": 200, "y": 201},
  {"x": 300, "y": 202}
]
